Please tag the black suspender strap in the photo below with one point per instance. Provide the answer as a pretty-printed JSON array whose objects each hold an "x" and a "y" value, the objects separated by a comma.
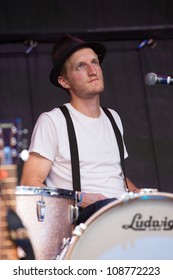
[
  {"x": 119, "y": 140},
  {"x": 73, "y": 150}
]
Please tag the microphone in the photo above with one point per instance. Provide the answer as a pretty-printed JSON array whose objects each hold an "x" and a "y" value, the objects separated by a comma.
[{"x": 151, "y": 79}]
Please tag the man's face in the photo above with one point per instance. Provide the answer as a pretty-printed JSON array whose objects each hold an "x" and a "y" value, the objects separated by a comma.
[{"x": 84, "y": 77}]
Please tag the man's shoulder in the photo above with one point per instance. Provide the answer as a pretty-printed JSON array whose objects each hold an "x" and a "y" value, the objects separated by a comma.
[
  {"x": 113, "y": 112},
  {"x": 53, "y": 116},
  {"x": 52, "y": 113}
]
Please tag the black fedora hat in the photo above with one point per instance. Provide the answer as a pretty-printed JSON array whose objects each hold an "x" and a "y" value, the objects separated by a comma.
[{"x": 66, "y": 46}]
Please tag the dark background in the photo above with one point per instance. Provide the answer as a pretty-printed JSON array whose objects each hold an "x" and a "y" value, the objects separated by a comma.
[{"x": 146, "y": 111}]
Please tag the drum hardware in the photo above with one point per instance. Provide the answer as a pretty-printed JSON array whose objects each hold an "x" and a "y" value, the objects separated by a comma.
[
  {"x": 74, "y": 211},
  {"x": 79, "y": 230},
  {"x": 140, "y": 227},
  {"x": 41, "y": 207},
  {"x": 65, "y": 241},
  {"x": 131, "y": 195},
  {"x": 148, "y": 190},
  {"x": 128, "y": 195},
  {"x": 65, "y": 244}
]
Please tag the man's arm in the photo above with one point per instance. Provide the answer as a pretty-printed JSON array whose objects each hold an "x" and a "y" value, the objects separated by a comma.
[
  {"x": 89, "y": 198},
  {"x": 35, "y": 170}
]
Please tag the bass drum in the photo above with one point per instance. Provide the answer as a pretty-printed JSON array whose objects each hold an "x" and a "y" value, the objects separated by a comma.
[
  {"x": 140, "y": 226},
  {"x": 46, "y": 213}
]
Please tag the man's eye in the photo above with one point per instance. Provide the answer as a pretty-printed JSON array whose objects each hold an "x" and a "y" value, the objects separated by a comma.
[
  {"x": 95, "y": 62},
  {"x": 80, "y": 66}
]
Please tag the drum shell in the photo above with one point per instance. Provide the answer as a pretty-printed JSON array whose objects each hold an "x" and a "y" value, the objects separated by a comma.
[
  {"x": 114, "y": 231},
  {"x": 46, "y": 236}
]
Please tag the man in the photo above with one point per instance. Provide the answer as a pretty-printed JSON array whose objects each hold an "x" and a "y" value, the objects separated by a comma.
[{"x": 77, "y": 70}]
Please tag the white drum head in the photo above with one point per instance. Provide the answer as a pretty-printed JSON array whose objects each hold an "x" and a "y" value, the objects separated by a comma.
[{"x": 138, "y": 228}]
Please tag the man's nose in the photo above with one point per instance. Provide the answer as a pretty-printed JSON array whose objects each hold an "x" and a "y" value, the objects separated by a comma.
[{"x": 92, "y": 69}]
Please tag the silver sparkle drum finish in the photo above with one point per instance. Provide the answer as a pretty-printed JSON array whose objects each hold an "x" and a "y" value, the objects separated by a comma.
[
  {"x": 47, "y": 215},
  {"x": 140, "y": 226}
]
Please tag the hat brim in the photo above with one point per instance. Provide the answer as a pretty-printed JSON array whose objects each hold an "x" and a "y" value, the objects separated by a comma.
[{"x": 98, "y": 48}]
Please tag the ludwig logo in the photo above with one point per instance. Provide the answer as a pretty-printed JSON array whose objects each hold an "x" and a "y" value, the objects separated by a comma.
[{"x": 138, "y": 223}]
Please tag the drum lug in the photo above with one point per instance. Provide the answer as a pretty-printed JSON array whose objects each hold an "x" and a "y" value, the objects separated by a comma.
[
  {"x": 148, "y": 191},
  {"x": 79, "y": 229},
  {"x": 41, "y": 205},
  {"x": 74, "y": 213},
  {"x": 128, "y": 195}
]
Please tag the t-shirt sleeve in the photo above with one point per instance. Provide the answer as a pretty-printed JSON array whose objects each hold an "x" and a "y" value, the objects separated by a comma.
[{"x": 44, "y": 140}]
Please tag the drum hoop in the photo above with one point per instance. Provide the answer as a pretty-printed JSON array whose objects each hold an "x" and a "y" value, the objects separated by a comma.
[
  {"x": 45, "y": 191},
  {"x": 66, "y": 255},
  {"x": 133, "y": 197}
]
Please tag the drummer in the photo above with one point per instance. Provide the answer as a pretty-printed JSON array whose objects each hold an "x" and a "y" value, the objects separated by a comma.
[{"x": 77, "y": 70}]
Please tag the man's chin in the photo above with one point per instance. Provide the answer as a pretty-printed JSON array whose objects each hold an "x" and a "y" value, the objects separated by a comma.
[
  {"x": 93, "y": 94},
  {"x": 97, "y": 89}
]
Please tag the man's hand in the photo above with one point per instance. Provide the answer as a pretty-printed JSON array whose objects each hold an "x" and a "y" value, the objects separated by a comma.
[{"x": 89, "y": 198}]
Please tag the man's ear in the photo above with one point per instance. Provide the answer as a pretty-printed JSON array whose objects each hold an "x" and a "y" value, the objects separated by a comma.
[{"x": 63, "y": 82}]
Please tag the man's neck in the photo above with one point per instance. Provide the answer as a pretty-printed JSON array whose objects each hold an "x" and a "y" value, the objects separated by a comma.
[{"x": 90, "y": 108}]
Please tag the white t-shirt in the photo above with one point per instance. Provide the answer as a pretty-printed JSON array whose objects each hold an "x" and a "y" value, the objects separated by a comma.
[{"x": 99, "y": 158}]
